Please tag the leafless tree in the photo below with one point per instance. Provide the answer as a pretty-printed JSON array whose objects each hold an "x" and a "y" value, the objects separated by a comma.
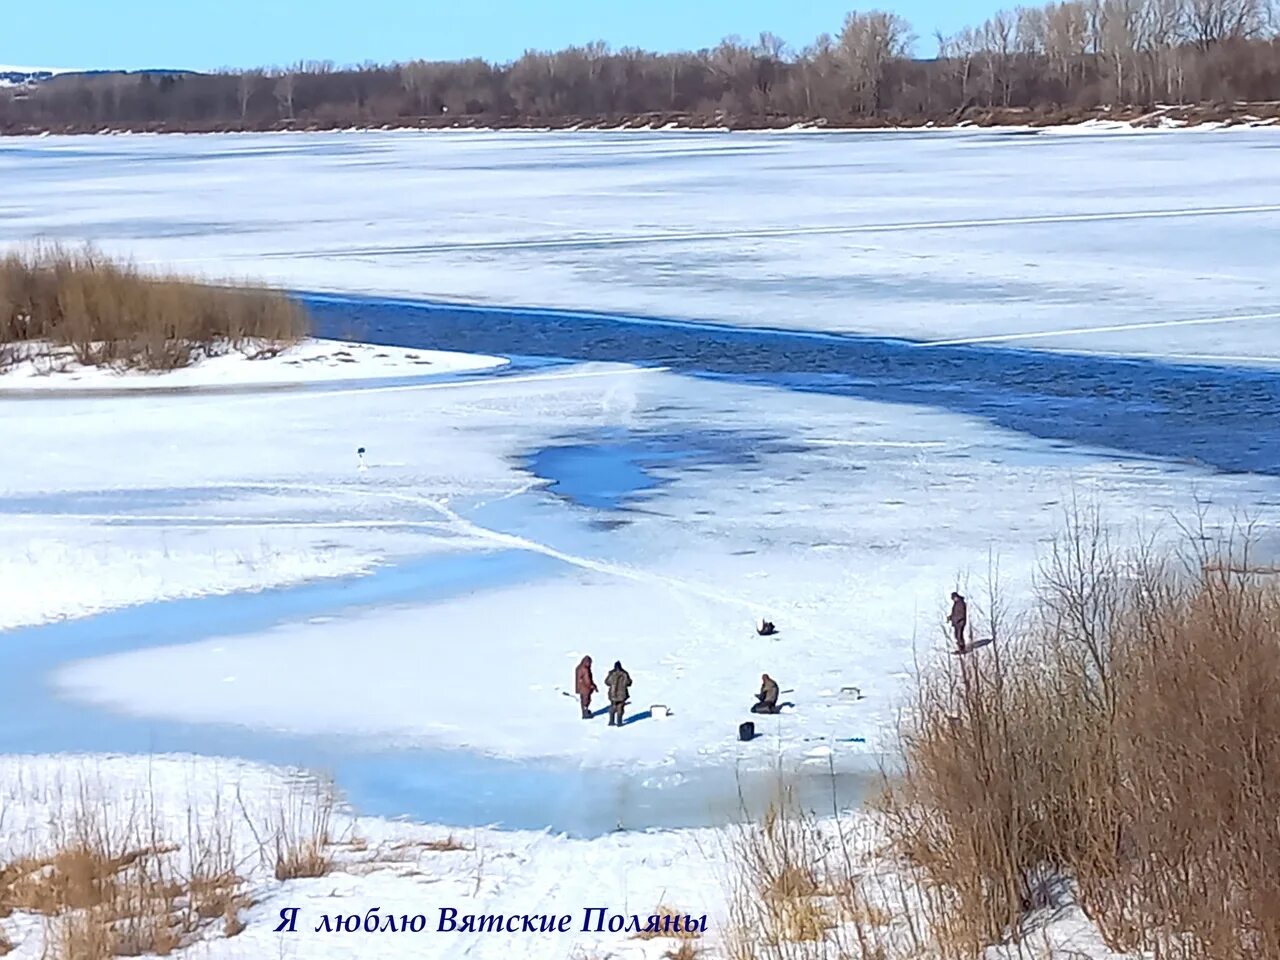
[{"x": 868, "y": 42}]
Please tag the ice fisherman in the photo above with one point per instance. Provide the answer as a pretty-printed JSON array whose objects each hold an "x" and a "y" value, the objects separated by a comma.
[
  {"x": 766, "y": 628},
  {"x": 585, "y": 686},
  {"x": 618, "y": 683},
  {"x": 958, "y": 618},
  {"x": 767, "y": 698}
]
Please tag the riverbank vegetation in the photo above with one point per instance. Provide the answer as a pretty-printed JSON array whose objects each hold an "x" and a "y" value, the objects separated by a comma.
[
  {"x": 120, "y": 881},
  {"x": 1115, "y": 751},
  {"x": 60, "y": 307},
  {"x": 1145, "y": 60}
]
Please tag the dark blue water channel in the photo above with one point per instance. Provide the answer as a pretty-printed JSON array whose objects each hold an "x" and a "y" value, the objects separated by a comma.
[{"x": 1227, "y": 418}]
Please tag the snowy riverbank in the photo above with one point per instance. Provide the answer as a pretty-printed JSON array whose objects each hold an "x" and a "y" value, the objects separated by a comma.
[
  {"x": 313, "y": 361},
  {"x": 215, "y": 831},
  {"x": 205, "y": 807}
]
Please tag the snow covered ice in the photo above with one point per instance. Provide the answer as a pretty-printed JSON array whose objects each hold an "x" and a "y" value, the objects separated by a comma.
[
  {"x": 930, "y": 235},
  {"x": 257, "y": 592}
]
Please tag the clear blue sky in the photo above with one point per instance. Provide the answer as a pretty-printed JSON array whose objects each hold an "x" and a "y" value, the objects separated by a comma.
[{"x": 202, "y": 34}]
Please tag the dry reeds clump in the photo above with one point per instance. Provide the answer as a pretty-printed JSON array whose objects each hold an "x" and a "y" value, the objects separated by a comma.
[
  {"x": 798, "y": 890},
  {"x": 449, "y": 844},
  {"x": 687, "y": 950},
  {"x": 122, "y": 889},
  {"x": 675, "y": 929},
  {"x": 298, "y": 840},
  {"x": 1125, "y": 741},
  {"x": 58, "y": 305}
]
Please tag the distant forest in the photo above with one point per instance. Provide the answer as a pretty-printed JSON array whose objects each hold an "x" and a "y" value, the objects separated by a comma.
[{"x": 1060, "y": 62}]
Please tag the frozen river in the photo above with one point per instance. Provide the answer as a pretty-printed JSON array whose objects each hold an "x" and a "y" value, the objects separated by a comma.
[
  {"x": 1138, "y": 243},
  {"x": 825, "y": 397}
]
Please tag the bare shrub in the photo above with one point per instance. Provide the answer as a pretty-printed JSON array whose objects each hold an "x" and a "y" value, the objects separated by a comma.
[
  {"x": 298, "y": 840},
  {"x": 106, "y": 313},
  {"x": 1124, "y": 738}
]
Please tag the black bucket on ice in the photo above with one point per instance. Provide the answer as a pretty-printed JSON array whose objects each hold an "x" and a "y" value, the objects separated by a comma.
[{"x": 746, "y": 731}]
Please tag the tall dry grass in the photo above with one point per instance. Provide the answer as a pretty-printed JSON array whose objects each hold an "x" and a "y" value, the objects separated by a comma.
[
  {"x": 800, "y": 887},
  {"x": 118, "y": 886},
  {"x": 115, "y": 878},
  {"x": 297, "y": 838},
  {"x": 1126, "y": 738},
  {"x": 58, "y": 305}
]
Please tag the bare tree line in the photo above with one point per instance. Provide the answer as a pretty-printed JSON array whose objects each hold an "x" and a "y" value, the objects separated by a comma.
[{"x": 1055, "y": 61}]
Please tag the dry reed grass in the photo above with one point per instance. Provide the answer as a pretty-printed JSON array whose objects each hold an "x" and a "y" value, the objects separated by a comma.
[
  {"x": 298, "y": 841},
  {"x": 58, "y": 305},
  {"x": 798, "y": 890},
  {"x": 449, "y": 844},
  {"x": 1125, "y": 740},
  {"x": 122, "y": 888},
  {"x": 678, "y": 931}
]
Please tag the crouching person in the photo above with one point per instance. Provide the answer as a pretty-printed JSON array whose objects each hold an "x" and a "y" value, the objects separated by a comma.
[{"x": 767, "y": 698}]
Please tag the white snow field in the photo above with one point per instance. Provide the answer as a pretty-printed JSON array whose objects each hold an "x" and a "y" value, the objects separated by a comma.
[
  {"x": 846, "y": 522},
  {"x": 310, "y": 362},
  {"x": 1133, "y": 243}
]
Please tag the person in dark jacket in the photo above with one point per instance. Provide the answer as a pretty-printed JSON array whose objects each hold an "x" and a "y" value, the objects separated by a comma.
[
  {"x": 585, "y": 686},
  {"x": 958, "y": 619},
  {"x": 618, "y": 683},
  {"x": 767, "y": 698},
  {"x": 766, "y": 628}
]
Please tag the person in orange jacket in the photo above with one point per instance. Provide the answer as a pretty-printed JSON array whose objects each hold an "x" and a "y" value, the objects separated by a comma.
[{"x": 585, "y": 686}]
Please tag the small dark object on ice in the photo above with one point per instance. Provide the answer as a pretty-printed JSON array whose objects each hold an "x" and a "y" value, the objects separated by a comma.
[
  {"x": 746, "y": 731},
  {"x": 766, "y": 629}
]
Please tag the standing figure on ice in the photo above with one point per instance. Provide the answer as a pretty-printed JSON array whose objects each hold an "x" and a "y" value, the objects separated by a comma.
[
  {"x": 958, "y": 619},
  {"x": 767, "y": 698},
  {"x": 585, "y": 686},
  {"x": 619, "y": 684}
]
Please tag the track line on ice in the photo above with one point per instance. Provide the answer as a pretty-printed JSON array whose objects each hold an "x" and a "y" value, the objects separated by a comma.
[
  {"x": 459, "y": 523},
  {"x": 550, "y": 243},
  {"x": 621, "y": 371},
  {"x": 230, "y": 523},
  {"x": 1073, "y": 331},
  {"x": 1203, "y": 357},
  {"x": 914, "y": 444}
]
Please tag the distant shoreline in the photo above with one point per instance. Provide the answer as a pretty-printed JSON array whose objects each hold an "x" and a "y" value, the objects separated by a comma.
[{"x": 1184, "y": 117}]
